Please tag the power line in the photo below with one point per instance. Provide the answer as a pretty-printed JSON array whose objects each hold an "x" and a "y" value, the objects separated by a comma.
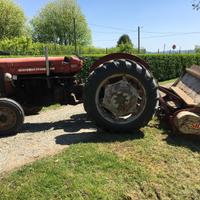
[
  {"x": 160, "y": 32},
  {"x": 108, "y": 32},
  {"x": 158, "y": 36},
  {"x": 105, "y": 40},
  {"x": 113, "y": 28},
  {"x": 177, "y": 33},
  {"x": 189, "y": 33}
]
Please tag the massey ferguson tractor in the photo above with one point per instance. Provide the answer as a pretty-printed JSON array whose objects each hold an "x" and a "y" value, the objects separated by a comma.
[{"x": 120, "y": 94}]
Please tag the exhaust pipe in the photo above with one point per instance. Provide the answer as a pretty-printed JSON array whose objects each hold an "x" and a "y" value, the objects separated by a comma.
[
  {"x": 47, "y": 67},
  {"x": 47, "y": 61}
]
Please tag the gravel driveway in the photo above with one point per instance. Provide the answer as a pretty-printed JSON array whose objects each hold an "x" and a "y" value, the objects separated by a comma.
[{"x": 44, "y": 134}]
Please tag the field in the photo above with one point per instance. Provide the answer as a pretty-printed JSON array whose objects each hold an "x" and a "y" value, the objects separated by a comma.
[{"x": 150, "y": 164}]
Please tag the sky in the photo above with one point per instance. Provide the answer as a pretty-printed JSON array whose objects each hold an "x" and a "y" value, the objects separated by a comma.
[{"x": 163, "y": 23}]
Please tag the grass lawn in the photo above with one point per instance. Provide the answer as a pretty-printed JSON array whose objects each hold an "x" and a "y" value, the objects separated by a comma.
[
  {"x": 51, "y": 107},
  {"x": 150, "y": 164},
  {"x": 168, "y": 81}
]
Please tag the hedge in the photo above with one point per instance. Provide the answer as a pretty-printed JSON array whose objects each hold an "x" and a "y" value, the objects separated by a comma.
[
  {"x": 165, "y": 67},
  {"x": 162, "y": 66}
]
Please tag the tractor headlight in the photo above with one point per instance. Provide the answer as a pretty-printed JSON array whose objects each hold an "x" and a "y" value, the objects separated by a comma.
[{"x": 7, "y": 77}]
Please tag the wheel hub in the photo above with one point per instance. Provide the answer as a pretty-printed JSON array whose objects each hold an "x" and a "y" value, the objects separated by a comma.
[
  {"x": 120, "y": 98},
  {"x": 7, "y": 118}
]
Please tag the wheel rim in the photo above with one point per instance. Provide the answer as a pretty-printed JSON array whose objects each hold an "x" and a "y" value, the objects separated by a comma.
[
  {"x": 7, "y": 118},
  {"x": 121, "y": 98}
]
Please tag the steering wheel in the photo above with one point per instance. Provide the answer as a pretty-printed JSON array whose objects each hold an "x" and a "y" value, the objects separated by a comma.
[{"x": 80, "y": 56}]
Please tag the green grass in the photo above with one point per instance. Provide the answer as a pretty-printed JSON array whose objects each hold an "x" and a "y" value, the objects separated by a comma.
[
  {"x": 168, "y": 81},
  {"x": 51, "y": 107},
  {"x": 150, "y": 164}
]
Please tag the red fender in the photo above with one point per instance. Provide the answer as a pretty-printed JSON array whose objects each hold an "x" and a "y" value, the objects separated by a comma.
[{"x": 115, "y": 56}]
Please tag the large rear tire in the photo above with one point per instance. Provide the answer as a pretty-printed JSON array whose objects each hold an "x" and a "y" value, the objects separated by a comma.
[
  {"x": 11, "y": 116},
  {"x": 120, "y": 96}
]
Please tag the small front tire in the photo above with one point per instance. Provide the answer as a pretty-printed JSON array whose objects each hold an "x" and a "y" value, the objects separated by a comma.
[{"x": 11, "y": 116}]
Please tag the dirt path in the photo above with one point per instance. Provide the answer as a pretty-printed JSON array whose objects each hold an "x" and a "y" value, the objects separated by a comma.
[{"x": 44, "y": 134}]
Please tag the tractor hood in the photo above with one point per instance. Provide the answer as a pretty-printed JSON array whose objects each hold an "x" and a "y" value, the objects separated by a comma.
[{"x": 37, "y": 65}]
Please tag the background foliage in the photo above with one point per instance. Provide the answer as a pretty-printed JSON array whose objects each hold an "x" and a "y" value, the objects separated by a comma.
[
  {"x": 54, "y": 21},
  {"x": 13, "y": 20},
  {"x": 163, "y": 67},
  {"x": 25, "y": 46},
  {"x": 197, "y": 49},
  {"x": 196, "y": 4},
  {"x": 124, "y": 39}
]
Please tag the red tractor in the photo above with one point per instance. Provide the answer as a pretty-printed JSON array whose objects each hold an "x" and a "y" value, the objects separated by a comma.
[{"x": 120, "y": 94}]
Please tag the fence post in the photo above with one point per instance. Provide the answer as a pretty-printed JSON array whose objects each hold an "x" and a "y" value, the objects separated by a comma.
[
  {"x": 80, "y": 50},
  {"x": 106, "y": 50},
  {"x": 42, "y": 50}
]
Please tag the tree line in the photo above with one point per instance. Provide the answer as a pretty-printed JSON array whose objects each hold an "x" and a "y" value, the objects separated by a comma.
[
  {"x": 54, "y": 22},
  {"x": 25, "y": 46}
]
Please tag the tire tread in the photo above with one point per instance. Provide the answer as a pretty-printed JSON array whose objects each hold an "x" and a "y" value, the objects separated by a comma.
[{"x": 125, "y": 64}]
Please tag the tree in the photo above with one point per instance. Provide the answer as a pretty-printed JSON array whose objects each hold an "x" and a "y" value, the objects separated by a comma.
[
  {"x": 124, "y": 39},
  {"x": 196, "y": 4},
  {"x": 125, "y": 48},
  {"x": 12, "y": 21},
  {"x": 17, "y": 46},
  {"x": 55, "y": 22},
  {"x": 197, "y": 49}
]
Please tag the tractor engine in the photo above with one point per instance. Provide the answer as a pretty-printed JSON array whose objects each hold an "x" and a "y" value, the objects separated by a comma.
[
  {"x": 26, "y": 80},
  {"x": 40, "y": 92}
]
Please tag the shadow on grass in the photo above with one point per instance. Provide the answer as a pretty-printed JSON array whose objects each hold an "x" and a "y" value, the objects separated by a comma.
[
  {"x": 193, "y": 145},
  {"x": 99, "y": 137}
]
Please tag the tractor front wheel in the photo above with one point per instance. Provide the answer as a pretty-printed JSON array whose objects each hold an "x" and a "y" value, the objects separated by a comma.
[
  {"x": 11, "y": 116},
  {"x": 120, "y": 96}
]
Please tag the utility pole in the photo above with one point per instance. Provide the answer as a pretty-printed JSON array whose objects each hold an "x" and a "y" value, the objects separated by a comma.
[
  {"x": 164, "y": 49},
  {"x": 138, "y": 40},
  {"x": 75, "y": 35},
  {"x": 54, "y": 37}
]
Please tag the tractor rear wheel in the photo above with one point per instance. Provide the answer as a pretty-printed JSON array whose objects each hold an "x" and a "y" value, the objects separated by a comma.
[
  {"x": 120, "y": 96},
  {"x": 11, "y": 116}
]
